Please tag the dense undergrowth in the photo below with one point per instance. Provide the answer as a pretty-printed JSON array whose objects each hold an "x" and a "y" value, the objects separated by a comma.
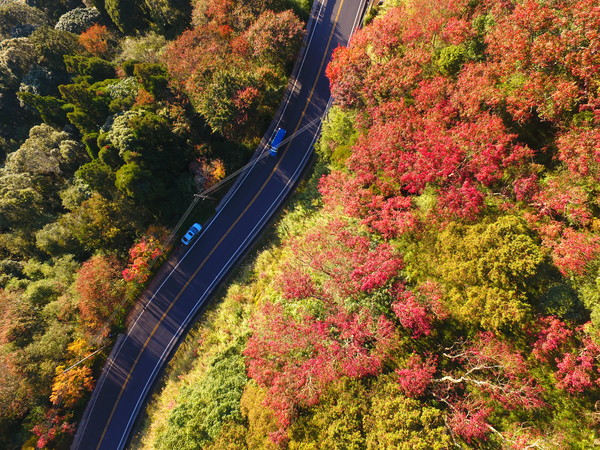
[{"x": 442, "y": 288}]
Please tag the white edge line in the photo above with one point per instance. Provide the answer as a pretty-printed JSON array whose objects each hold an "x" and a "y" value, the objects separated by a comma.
[
  {"x": 233, "y": 193},
  {"x": 206, "y": 293},
  {"x": 227, "y": 266},
  {"x": 217, "y": 279},
  {"x": 251, "y": 236},
  {"x": 111, "y": 362}
]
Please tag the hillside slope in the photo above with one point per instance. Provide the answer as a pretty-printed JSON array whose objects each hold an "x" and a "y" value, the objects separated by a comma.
[
  {"x": 102, "y": 148},
  {"x": 442, "y": 286}
]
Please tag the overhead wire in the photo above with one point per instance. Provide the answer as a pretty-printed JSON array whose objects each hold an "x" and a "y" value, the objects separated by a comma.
[
  {"x": 100, "y": 335},
  {"x": 197, "y": 197}
]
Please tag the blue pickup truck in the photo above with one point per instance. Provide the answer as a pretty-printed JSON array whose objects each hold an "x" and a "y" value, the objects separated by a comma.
[{"x": 276, "y": 142}]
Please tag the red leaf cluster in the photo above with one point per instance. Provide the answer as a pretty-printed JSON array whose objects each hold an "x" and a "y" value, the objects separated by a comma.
[
  {"x": 414, "y": 314},
  {"x": 579, "y": 371},
  {"x": 141, "y": 255},
  {"x": 469, "y": 420},
  {"x": 552, "y": 337},
  {"x": 345, "y": 261},
  {"x": 415, "y": 378},
  {"x": 296, "y": 358}
]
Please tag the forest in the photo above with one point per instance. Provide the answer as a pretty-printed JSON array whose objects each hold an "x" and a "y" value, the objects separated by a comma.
[
  {"x": 436, "y": 282},
  {"x": 113, "y": 113}
]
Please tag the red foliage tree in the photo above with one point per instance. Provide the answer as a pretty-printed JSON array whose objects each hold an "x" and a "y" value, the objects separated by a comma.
[
  {"x": 275, "y": 36},
  {"x": 296, "y": 358},
  {"x": 413, "y": 314},
  {"x": 389, "y": 216},
  {"x": 230, "y": 59},
  {"x": 410, "y": 149},
  {"x": 561, "y": 197},
  {"x": 575, "y": 372},
  {"x": 193, "y": 56},
  {"x": 52, "y": 428},
  {"x": 579, "y": 150},
  {"x": 469, "y": 420},
  {"x": 574, "y": 250},
  {"x": 579, "y": 371},
  {"x": 555, "y": 61},
  {"x": 436, "y": 124},
  {"x": 141, "y": 257},
  {"x": 295, "y": 283},
  {"x": 347, "y": 263},
  {"x": 476, "y": 376},
  {"x": 416, "y": 377},
  {"x": 551, "y": 338},
  {"x": 497, "y": 370},
  {"x": 245, "y": 101}
]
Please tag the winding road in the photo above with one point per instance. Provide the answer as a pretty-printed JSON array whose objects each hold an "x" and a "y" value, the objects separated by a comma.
[{"x": 191, "y": 276}]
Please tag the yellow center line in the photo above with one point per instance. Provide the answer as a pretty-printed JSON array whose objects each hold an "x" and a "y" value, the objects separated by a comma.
[
  {"x": 335, "y": 21},
  {"x": 220, "y": 240}
]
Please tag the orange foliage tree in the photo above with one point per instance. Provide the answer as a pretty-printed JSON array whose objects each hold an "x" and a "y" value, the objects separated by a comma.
[
  {"x": 99, "y": 289},
  {"x": 98, "y": 40}
]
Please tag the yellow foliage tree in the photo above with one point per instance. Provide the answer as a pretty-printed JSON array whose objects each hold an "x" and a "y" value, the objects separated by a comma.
[{"x": 69, "y": 387}]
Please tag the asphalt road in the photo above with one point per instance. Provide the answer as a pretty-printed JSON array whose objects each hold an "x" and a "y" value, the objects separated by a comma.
[{"x": 196, "y": 271}]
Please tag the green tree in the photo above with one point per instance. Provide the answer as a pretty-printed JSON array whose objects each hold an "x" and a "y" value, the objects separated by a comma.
[
  {"x": 127, "y": 15},
  {"x": 47, "y": 152},
  {"x": 15, "y": 15},
  {"x": 89, "y": 70},
  {"x": 16, "y": 58},
  {"x": 55, "y": 239},
  {"x": 336, "y": 422},
  {"x": 54, "y": 8},
  {"x": 78, "y": 20},
  {"x": 22, "y": 204},
  {"x": 231, "y": 437},
  {"x": 338, "y": 135},
  {"x": 204, "y": 407},
  {"x": 398, "y": 422},
  {"x": 260, "y": 419},
  {"x": 588, "y": 287},
  {"x": 51, "y": 109},
  {"x": 154, "y": 160},
  {"x": 492, "y": 271},
  {"x": 52, "y": 45},
  {"x": 169, "y": 17},
  {"x": 98, "y": 176},
  {"x": 153, "y": 77},
  {"x": 90, "y": 109},
  {"x": 451, "y": 59},
  {"x": 99, "y": 223},
  {"x": 138, "y": 183},
  {"x": 146, "y": 48},
  {"x": 34, "y": 175},
  {"x": 217, "y": 105}
]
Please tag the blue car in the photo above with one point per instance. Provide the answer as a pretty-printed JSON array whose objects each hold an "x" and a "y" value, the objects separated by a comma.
[
  {"x": 193, "y": 231},
  {"x": 277, "y": 141}
]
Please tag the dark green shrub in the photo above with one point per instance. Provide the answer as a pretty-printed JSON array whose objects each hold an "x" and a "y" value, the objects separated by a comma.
[{"x": 153, "y": 77}]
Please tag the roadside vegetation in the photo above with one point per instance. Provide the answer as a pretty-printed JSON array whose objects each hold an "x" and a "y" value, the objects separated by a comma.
[
  {"x": 437, "y": 283},
  {"x": 105, "y": 135}
]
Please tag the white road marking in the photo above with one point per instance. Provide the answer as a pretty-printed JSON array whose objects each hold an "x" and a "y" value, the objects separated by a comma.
[{"x": 203, "y": 297}]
